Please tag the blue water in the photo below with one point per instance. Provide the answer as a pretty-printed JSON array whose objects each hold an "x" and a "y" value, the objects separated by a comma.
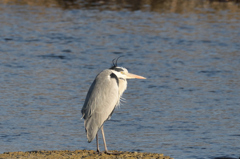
[{"x": 187, "y": 108}]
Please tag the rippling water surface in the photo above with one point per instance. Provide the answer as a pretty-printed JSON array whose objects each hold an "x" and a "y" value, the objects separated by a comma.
[{"x": 187, "y": 108}]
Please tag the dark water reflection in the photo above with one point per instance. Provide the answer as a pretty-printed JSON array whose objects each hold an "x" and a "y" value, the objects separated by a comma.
[
  {"x": 189, "y": 105},
  {"x": 174, "y": 6}
]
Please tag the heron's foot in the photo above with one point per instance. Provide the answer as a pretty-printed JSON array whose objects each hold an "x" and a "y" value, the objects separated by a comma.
[
  {"x": 113, "y": 153},
  {"x": 98, "y": 152}
]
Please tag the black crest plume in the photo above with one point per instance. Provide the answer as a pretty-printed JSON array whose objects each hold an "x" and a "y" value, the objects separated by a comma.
[{"x": 114, "y": 62}]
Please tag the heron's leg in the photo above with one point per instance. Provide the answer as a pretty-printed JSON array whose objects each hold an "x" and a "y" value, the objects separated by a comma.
[
  {"x": 104, "y": 141},
  {"x": 105, "y": 145},
  {"x": 98, "y": 150}
]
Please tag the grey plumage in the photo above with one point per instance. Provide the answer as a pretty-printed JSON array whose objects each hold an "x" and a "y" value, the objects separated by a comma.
[
  {"x": 105, "y": 89},
  {"x": 102, "y": 98}
]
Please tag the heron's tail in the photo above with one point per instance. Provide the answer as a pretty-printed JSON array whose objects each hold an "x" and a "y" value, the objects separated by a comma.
[{"x": 91, "y": 127}]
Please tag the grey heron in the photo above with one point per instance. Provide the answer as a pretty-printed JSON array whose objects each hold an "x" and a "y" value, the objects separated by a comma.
[{"x": 103, "y": 96}]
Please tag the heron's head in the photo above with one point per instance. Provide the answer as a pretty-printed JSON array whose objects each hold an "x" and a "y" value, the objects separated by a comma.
[{"x": 122, "y": 72}]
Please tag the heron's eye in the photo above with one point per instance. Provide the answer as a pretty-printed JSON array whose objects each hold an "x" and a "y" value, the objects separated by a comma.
[{"x": 122, "y": 72}]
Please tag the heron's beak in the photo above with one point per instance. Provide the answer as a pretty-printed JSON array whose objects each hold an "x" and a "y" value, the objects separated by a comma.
[{"x": 131, "y": 76}]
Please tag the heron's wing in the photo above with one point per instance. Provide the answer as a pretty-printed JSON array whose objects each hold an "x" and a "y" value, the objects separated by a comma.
[{"x": 101, "y": 100}]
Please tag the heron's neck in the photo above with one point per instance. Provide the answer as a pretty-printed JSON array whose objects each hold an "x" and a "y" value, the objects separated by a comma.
[{"x": 122, "y": 87}]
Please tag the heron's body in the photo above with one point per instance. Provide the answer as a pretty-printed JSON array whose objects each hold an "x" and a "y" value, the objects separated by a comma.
[
  {"x": 104, "y": 88},
  {"x": 102, "y": 98}
]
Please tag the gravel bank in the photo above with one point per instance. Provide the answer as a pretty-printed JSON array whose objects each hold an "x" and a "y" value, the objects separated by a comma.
[{"x": 87, "y": 154}]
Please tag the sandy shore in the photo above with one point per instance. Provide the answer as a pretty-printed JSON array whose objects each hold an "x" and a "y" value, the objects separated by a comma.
[{"x": 87, "y": 154}]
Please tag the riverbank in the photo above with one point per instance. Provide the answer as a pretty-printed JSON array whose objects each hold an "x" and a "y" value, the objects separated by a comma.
[{"x": 87, "y": 154}]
